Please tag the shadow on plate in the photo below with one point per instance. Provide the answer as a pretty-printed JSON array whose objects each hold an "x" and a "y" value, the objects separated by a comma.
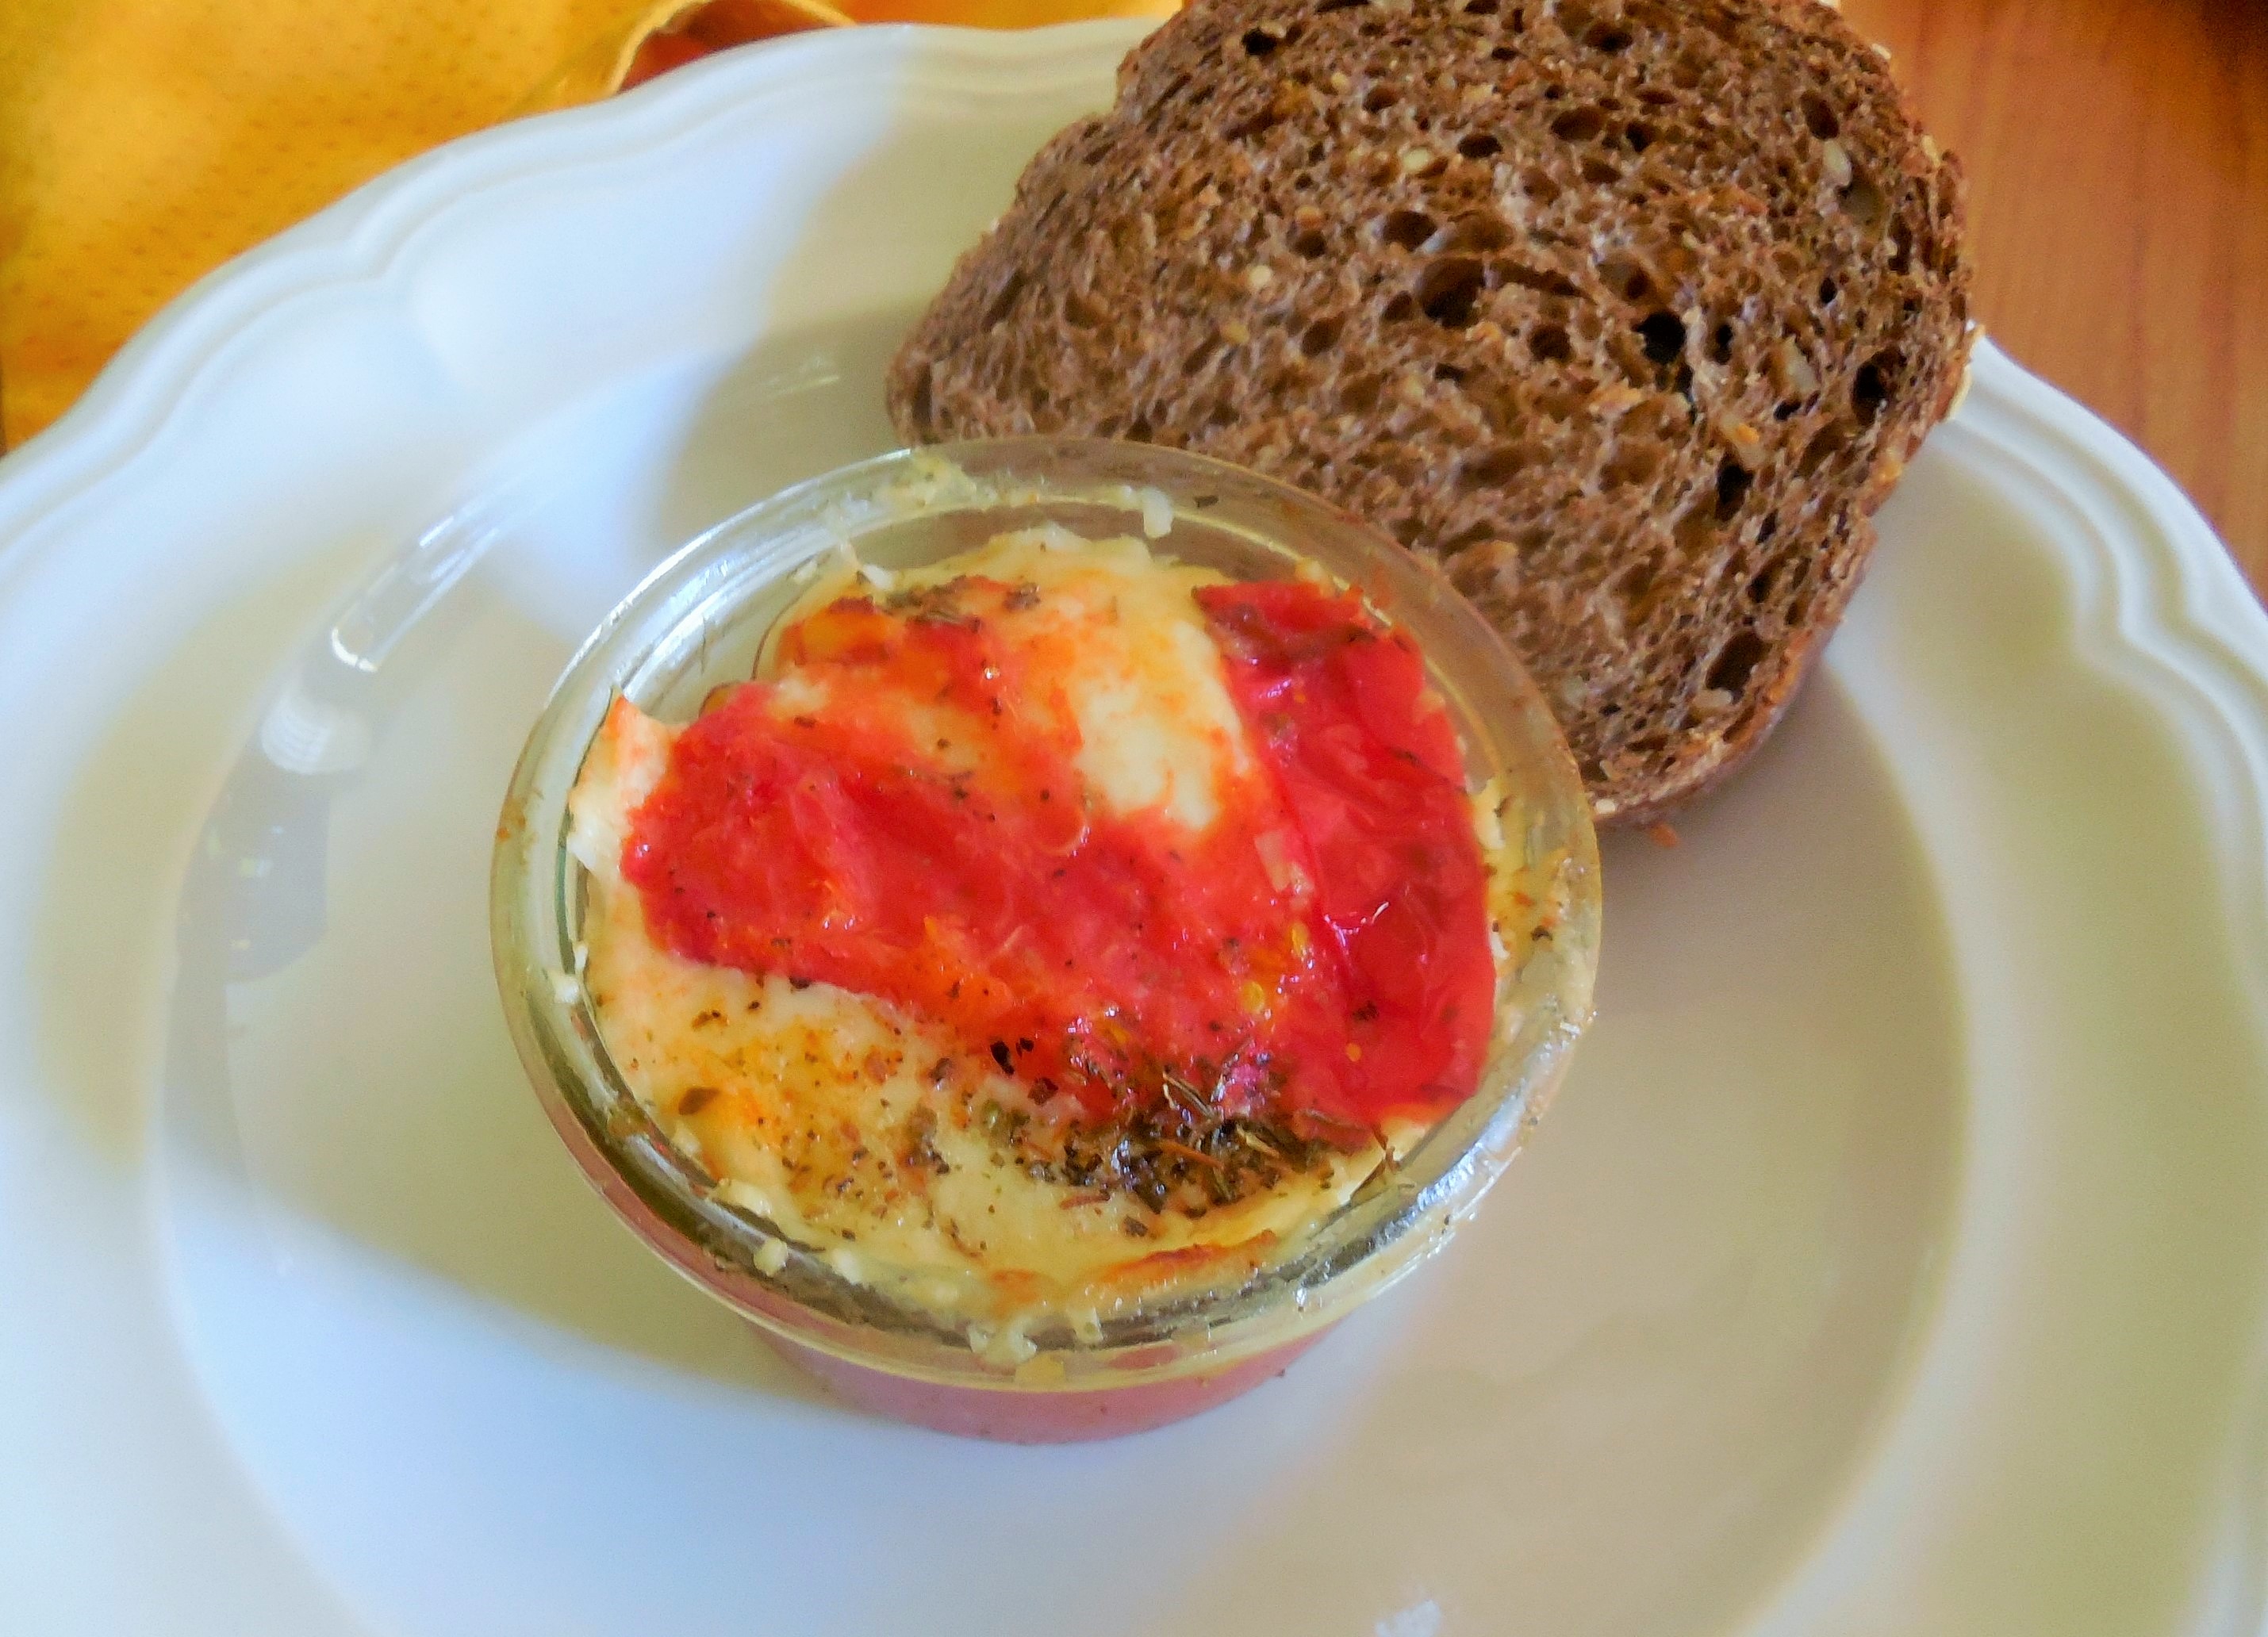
[
  {"x": 334, "y": 1042},
  {"x": 336, "y": 1052},
  {"x": 345, "y": 1074}
]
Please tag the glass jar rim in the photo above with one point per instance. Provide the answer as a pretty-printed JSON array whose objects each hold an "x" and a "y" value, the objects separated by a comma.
[{"x": 660, "y": 633}]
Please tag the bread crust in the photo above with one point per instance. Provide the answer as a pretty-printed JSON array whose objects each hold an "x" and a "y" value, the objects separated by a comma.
[{"x": 1628, "y": 314}]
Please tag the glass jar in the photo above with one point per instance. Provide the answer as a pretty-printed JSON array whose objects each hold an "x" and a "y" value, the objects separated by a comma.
[{"x": 700, "y": 618}]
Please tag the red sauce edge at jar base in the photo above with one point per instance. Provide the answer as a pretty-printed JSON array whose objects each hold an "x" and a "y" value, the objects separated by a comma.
[{"x": 1007, "y": 1415}]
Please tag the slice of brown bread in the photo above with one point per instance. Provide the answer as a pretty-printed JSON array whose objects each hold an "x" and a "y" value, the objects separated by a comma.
[{"x": 1629, "y": 313}]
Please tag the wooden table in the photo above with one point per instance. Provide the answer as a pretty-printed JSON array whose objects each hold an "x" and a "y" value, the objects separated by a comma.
[{"x": 2118, "y": 160}]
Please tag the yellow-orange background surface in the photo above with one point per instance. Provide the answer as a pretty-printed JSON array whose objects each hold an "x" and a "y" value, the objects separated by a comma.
[{"x": 144, "y": 141}]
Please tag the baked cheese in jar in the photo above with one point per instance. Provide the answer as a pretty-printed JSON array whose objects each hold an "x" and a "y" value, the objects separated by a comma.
[{"x": 1060, "y": 943}]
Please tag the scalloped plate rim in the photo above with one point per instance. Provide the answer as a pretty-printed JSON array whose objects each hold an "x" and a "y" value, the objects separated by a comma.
[
  {"x": 364, "y": 236},
  {"x": 2160, "y": 603}
]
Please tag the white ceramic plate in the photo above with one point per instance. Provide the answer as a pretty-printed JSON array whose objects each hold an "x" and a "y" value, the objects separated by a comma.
[{"x": 1893, "y": 1261}]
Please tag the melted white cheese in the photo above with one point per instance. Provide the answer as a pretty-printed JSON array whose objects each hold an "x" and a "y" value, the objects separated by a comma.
[
  {"x": 859, "y": 1132},
  {"x": 1120, "y": 632}
]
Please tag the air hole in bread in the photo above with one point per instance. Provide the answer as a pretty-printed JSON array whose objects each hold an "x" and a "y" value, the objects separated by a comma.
[
  {"x": 1449, "y": 291},
  {"x": 1864, "y": 203},
  {"x": 1607, "y": 37},
  {"x": 1502, "y": 54},
  {"x": 1820, "y": 119},
  {"x": 1138, "y": 430},
  {"x": 1003, "y": 302},
  {"x": 1825, "y": 445},
  {"x": 1598, "y": 172},
  {"x": 1686, "y": 73},
  {"x": 1409, "y": 229},
  {"x": 922, "y": 410},
  {"x": 1549, "y": 344},
  {"x": 1646, "y": 419},
  {"x": 1360, "y": 396},
  {"x": 1400, "y": 308},
  {"x": 1635, "y": 461},
  {"x": 1259, "y": 42},
  {"x": 1735, "y": 662},
  {"x": 1538, "y": 186},
  {"x": 1380, "y": 98},
  {"x": 1200, "y": 355},
  {"x": 1309, "y": 242},
  {"x": 1221, "y": 415},
  {"x": 1579, "y": 124},
  {"x": 1558, "y": 403},
  {"x": 1626, "y": 278},
  {"x": 1480, "y": 145},
  {"x": 1870, "y": 388},
  {"x": 1733, "y": 482},
  {"x": 1760, "y": 587},
  {"x": 1320, "y": 336},
  {"x": 1535, "y": 279},
  {"x": 1079, "y": 311},
  {"x": 1664, "y": 335},
  {"x": 1448, "y": 372},
  {"x": 1639, "y": 135},
  {"x": 1784, "y": 411},
  {"x": 1477, "y": 231},
  {"x": 1253, "y": 125},
  {"x": 1721, "y": 344},
  {"x": 1828, "y": 292},
  {"x": 1493, "y": 466},
  {"x": 1329, "y": 6},
  {"x": 1480, "y": 8},
  {"x": 1901, "y": 248}
]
